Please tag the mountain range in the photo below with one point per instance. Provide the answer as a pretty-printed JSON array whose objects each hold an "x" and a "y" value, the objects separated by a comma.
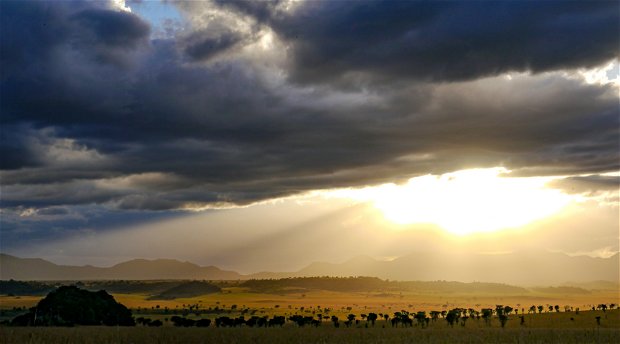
[{"x": 522, "y": 268}]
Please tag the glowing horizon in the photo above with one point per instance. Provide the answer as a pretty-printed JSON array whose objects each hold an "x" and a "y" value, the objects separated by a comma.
[{"x": 466, "y": 201}]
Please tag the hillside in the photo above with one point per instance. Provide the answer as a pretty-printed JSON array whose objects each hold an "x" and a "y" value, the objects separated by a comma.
[
  {"x": 522, "y": 268},
  {"x": 519, "y": 268},
  {"x": 373, "y": 284},
  {"x": 138, "y": 269}
]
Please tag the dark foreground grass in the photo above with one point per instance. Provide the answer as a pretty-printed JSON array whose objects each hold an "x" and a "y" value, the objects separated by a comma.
[{"x": 289, "y": 334}]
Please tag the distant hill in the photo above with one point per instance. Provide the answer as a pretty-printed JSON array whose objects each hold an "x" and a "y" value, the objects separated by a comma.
[
  {"x": 595, "y": 285},
  {"x": 521, "y": 268},
  {"x": 138, "y": 269},
  {"x": 518, "y": 268},
  {"x": 370, "y": 284}
]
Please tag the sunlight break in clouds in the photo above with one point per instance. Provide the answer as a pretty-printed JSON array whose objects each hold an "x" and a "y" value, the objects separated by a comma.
[{"x": 465, "y": 202}]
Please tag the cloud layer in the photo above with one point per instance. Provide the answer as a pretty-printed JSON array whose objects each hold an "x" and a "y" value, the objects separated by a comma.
[{"x": 258, "y": 100}]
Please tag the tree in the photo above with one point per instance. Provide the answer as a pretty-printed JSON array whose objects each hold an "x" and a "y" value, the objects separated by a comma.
[
  {"x": 451, "y": 317},
  {"x": 70, "y": 305},
  {"x": 372, "y": 317},
  {"x": 203, "y": 323},
  {"x": 350, "y": 319},
  {"x": 503, "y": 318},
  {"x": 155, "y": 323},
  {"x": 486, "y": 315},
  {"x": 420, "y": 317},
  {"x": 335, "y": 321},
  {"x": 540, "y": 309}
]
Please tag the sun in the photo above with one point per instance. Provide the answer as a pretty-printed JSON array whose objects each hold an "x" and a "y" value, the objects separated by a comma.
[{"x": 468, "y": 201}]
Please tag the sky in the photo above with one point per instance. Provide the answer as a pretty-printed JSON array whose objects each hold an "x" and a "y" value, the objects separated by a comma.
[{"x": 265, "y": 135}]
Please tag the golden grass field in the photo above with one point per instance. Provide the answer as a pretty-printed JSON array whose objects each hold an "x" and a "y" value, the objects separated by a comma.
[
  {"x": 548, "y": 327},
  {"x": 366, "y": 301},
  {"x": 338, "y": 301}
]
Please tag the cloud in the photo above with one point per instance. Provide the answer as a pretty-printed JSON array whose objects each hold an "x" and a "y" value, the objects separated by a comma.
[
  {"x": 95, "y": 114},
  {"x": 202, "y": 46},
  {"x": 590, "y": 184},
  {"x": 33, "y": 32},
  {"x": 442, "y": 41}
]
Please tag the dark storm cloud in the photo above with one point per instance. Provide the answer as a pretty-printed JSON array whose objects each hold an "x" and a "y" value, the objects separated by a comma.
[
  {"x": 93, "y": 113},
  {"x": 440, "y": 40},
  {"x": 32, "y": 31},
  {"x": 201, "y": 46},
  {"x": 587, "y": 184}
]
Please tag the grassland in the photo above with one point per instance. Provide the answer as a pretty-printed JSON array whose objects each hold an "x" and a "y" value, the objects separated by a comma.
[
  {"x": 236, "y": 299},
  {"x": 233, "y": 302},
  {"x": 541, "y": 328}
]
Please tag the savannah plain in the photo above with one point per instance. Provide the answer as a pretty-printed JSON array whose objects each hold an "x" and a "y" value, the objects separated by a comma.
[{"x": 312, "y": 297}]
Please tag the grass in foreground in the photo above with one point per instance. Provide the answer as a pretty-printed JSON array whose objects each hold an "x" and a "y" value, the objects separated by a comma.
[{"x": 289, "y": 334}]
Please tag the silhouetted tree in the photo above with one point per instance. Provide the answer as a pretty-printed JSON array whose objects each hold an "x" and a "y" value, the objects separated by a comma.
[
  {"x": 451, "y": 317},
  {"x": 203, "y": 323},
  {"x": 335, "y": 321},
  {"x": 503, "y": 318},
  {"x": 70, "y": 305},
  {"x": 421, "y": 318},
  {"x": 155, "y": 323},
  {"x": 486, "y": 315},
  {"x": 372, "y": 317}
]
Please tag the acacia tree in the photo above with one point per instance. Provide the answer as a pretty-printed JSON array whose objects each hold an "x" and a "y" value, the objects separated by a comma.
[
  {"x": 420, "y": 317},
  {"x": 451, "y": 317},
  {"x": 335, "y": 321},
  {"x": 503, "y": 318},
  {"x": 486, "y": 315},
  {"x": 372, "y": 317}
]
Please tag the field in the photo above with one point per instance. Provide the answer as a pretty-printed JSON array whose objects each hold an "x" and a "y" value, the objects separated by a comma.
[
  {"x": 543, "y": 328},
  {"x": 340, "y": 298}
]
